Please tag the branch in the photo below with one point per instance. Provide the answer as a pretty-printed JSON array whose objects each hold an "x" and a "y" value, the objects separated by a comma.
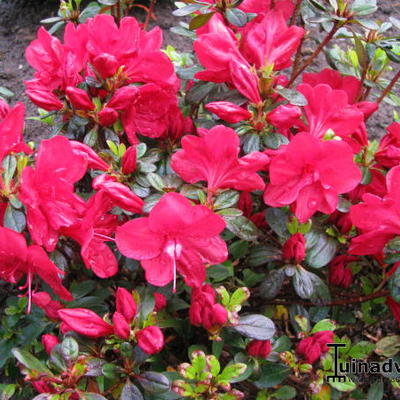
[{"x": 389, "y": 87}]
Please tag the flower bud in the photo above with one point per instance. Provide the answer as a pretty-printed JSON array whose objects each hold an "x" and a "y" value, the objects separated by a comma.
[
  {"x": 259, "y": 348},
  {"x": 285, "y": 116},
  {"x": 126, "y": 304},
  {"x": 294, "y": 248},
  {"x": 314, "y": 346},
  {"x": 121, "y": 326},
  {"x": 150, "y": 339},
  {"x": 123, "y": 98},
  {"x": 228, "y": 112},
  {"x": 49, "y": 341},
  {"x": 128, "y": 160},
  {"x": 79, "y": 99},
  {"x": 106, "y": 65},
  {"x": 85, "y": 322},
  {"x": 160, "y": 301},
  {"x": 45, "y": 99},
  {"x": 49, "y": 306},
  {"x": 107, "y": 116},
  {"x": 94, "y": 161}
]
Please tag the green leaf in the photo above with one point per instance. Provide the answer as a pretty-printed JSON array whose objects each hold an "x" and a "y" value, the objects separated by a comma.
[
  {"x": 91, "y": 137},
  {"x": 7, "y": 391},
  {"x": 250, "y": 143},
  {"x": 303, "y": 283},
  {"x": 272, "y": 374},
  {"x": 186, "y": 10},
  {"x": 285, "y": 393},
  {"x": 292, "y": 96},
  {"x": 364, "y": 7},
  {"x": 199, "y": 20},
  {"x": 156, "y": 181},
  {"x": 30, "y": 361},
  {"x": 347, "y": 386},
  {"x": 131, "y": 392},
  {"x": 320, "y": 248},
  {"x": 256, "y": 326},
  {"x": 361, "y": 349},
  {"x": 226, "y": 199},
  {"x": 239, "y": 296},
  {"x": 220, "y": 272},
  {"x": 154, "y": 382},
  {"x": 277, "y": 220},
  {"x": 108, "y": 2},
  {"x": 394, "y": 285},
  {"x": 70, "y": 348},
  {"x": 91, "y": 396},
  {"x": 9, "y": 167},
  {"x": 263, "y": 254},
  {"x": 242, "y": 227},
  {"x": 14, "y": 219},
  {"x": 324, "y": 325},
  {"x": 236, "y": 17},
  {"x": 375, "y": 391},
  {"x": 231, "y": 371},
  {"x": 272, "y": 285},
  {"x": 388, "y": 346}
]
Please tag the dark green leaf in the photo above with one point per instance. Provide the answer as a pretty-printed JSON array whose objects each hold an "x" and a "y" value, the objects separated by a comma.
[
  {"x": 320, "y": 248},
  {"x": 154, "y": 382},
  {"x": 186, "y": 10},
  {"x": 29, "y": 361},
  {"x": 277, "y": 220},
  {"x": 108, "y": 2},
  {"x": 226, "y": 199},
  {"x": 236, "y": 17},
  {"x": 375, "y": 391},
  {"x": 131, "y": 392},
  {"x": 364, "y": 7},
  {"x": 199, "y": 20},
  {"x": 91, "y": 396},
  {"x": 272, "y": 285},
  {"x": 263, "y": 254},
  {"x": 271, "y": 375},
  {"x": 256, "y": 326},
  {"x": 242, "y": 227},
  {"x": 70, "y": 348},
  {"x": 14, "y": 219},
  {"x": 292, "y": 96},
  {"x": 285, "y": 393},
  {"x": 394, "y": 285}
]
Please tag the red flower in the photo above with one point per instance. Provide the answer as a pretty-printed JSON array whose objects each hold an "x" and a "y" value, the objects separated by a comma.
[
  {"x": 339, "y": 273},
  {"x": 128, "y": 160},
  {"x": 126, "y": 304},
  {"x": 175, "y": 237},
  {"x": 48, "y": 342},
  {"x": 314, "y": 346},
  {"x": 377, "y": 218},
  {"x": 17, "y": 259},
  {"x": 286, "y": 7},
  {"x": 295, "y": 248},
  {"x": 47, "y": 191},
  {"x": 79, "y": 99},
  {"x": 93, "y": 160},
  {"x": 310, "y": 174},
  {"x": 44, "y": 98},
  {"x": 259, "y": 348},
  {"x": 121, "y": 326},
  {"x": 150, "y": 339},
  {"x": 214, "y": 158},
  {"x": 50, "y": 307},
  {"x": 228, "y": 112},
  {"x": 160, "y": 301},
  {"x": 204, "y": 310},
  {"x": 85, "y": 322},
  {"x": 270, "y": 42},
  {"x": 388, "y": 153}
]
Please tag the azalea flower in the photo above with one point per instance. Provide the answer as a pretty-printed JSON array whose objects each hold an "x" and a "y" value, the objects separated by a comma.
[
  {"x": 47, "y": 191},
  {"x": 312, "y": 347},
  {"x": 17, "y": 259},
  {"x": 310, "y": 174},
  {"x": 214, "y": 158},
  {"x": 388, "y": 153},
  {"x": 175, "y": 237},
  {"x": 377, "y": 218}
]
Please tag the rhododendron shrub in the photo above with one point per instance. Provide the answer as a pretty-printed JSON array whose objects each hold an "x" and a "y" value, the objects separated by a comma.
[{"x": 202, "y": 226}]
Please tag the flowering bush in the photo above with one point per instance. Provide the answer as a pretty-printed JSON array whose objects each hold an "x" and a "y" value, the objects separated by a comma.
[{"x": 201, "y": 228}]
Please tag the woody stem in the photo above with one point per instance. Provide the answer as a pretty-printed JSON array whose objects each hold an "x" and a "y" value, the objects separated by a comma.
[
  {"x": 295, "y": 12},
  {"x": 389, "y": 87},
  {"x": 310, "y": 59},
  {"x": 353, "y": 300}
]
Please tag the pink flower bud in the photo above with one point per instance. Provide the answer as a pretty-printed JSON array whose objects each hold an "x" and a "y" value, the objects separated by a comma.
[
  {"x": 129, "y": 160},
  {"x": 121, "y": 326},
  {"x": 49, "y": 341},
  {"x": 160, "y": 301},
  {"x": 150, "y": 339},
  {"x": 228, "y": 112},
  {"x": 259, "y": 348},
  {"x": 294, "y": 248},
  {"x": 101, "y": 180},
  {"x": 126, "y": 304},
  {"x": 42, "y": 387},
  {"x": 123, "y": 98},
  {"x": 106, "y": 65},
  {"x": 94, "y": 161},
  {"x": 312, "y": 347},
  {"x": 85, "y": 322},
  {"x": 79, "y": 99},
  {"x": 107, "y": 116},
  {"x": 49, "y": 306},
  {"x": 45, "y": 99},
  {"x": 284, "y": 116}
]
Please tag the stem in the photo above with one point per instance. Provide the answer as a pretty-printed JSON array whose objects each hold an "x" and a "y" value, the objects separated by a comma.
[
  {"x": 295, "y": 12},
  {"x": 149, "y": 14},
  {"x": 341, "y": 302},
  {"x": 310, "y": 59},
  {"x": 389, "y": 87}
]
